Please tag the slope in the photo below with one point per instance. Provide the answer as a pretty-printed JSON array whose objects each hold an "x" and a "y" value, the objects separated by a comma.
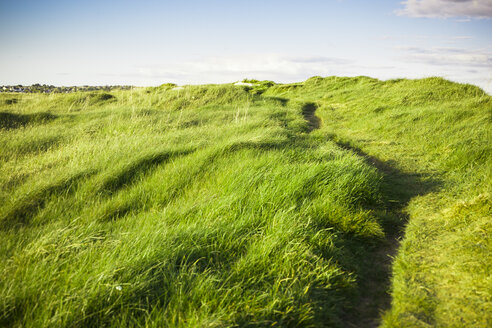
[
  {"x": 206, "y": 206},
  {"x": 439, "y": 134}
]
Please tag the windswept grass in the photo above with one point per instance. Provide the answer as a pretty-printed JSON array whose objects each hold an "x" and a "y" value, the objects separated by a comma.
[
  {"x": 229, "y": 206},
  {"x": 441, "y": 133},
  {"x": 207, "y": 206}
]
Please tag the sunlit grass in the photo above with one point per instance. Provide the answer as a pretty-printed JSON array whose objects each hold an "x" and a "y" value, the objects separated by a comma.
[
  {"x": 439, "y": 134},
  {"x": 203, "y": 206},
  {"x": 224, "y": 206}
]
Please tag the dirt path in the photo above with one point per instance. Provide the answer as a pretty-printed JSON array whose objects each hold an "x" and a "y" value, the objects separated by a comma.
[
  {"x": 374, "y": 280},
  {"x": 309, "y": 113}
]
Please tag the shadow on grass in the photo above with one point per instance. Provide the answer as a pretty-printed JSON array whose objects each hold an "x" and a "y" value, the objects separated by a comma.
[
  {"x": 131, "y": 173},
  {"x": 282, "y": 101},
  {"x": 25, "y": 208},
  {"x": 13, "y": 121},
  {"x": 128, "y": 174},
  {"x": 308, "y": 111},
  {"x": 374, "y": 271}
]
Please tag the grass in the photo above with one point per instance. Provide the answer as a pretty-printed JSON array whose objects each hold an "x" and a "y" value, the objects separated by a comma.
[
  {"x": 440, "y": 133},
  {"x": 222, "y": 206},
  {"x": 203, "y": 206}
]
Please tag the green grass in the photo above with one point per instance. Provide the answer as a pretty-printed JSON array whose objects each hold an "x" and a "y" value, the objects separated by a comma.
[
  {"x": 208, "y": 206},
  {"x": 439, "y": 133},
  {"x": 226, "y": 206}
]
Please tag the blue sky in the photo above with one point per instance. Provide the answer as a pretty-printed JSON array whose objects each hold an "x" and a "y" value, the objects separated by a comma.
[{"x": 151, "y": 42}]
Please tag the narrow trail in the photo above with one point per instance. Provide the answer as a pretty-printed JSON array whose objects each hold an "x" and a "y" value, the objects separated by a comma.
[
  {"x": 309, "y": 113},
  {"x": 374, "y": 280}
]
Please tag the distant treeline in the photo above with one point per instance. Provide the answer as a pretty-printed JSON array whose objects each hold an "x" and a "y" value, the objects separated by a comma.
[{"x": 44, "y": 88}]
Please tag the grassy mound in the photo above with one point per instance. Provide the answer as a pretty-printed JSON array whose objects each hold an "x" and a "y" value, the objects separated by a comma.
[
  {"x": 223, "y": 205},
  {"x": 208, "y": 205}
]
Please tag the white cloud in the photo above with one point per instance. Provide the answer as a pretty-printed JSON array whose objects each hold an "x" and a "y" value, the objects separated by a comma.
[
  {"x": 447, "y": 8},
  {"x": 456, "y": 64},
  {"x": 454, "y": 57},
  {"x": 275, "y": 67}
]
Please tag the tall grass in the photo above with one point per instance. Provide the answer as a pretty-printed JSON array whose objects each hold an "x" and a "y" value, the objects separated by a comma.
[
  {"x": 222, "y": 206},
  {"x": 208, "y": 206},
  {"x": 441, "y": 133}
]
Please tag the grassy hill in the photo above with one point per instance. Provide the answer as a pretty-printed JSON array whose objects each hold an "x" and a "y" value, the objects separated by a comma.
[{"x": 272, "y": 205}]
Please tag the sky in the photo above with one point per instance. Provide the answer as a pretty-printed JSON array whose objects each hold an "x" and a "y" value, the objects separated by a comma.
[{"x": 150, "y": 42}]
